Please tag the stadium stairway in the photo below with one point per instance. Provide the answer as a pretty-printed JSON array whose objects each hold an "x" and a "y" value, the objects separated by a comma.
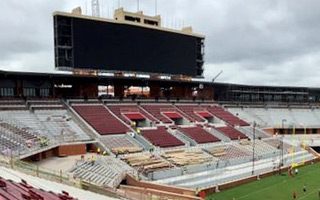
[{"x": 96, "y": 173}]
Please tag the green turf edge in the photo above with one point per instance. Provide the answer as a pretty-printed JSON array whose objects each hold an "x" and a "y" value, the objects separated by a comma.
[{"x": 277, "y": 187}]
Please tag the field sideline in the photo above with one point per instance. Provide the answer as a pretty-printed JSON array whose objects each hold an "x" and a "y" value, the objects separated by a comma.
[{"x": 277, "y": 187}]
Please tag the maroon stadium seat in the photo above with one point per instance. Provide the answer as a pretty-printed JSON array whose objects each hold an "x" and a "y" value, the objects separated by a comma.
[
  {"x": 198, "y": 134},
  {"x": 226, "y": 116},
  {"x": 101, "y": 119},
  {"x": 160, "y": 137},
  {"x": 232, "y": 133}
]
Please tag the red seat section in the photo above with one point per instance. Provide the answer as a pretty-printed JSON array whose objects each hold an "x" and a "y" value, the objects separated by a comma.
[
  {"x": 172, "y": 115},
  {"x": 204, "y": 114},
  {"x": 192, "y": 111},
  {"x": 198, "y": 134},
  {"x": 159, "y": 110},
  {"x": 226, "y": 116},
  {"x": 232, "y": 133},
  {"x": 10, "y": 190},
  {"x": 101, "y": 119},
  {"x": 160, "y": 137},
  {"x": 121, "y": 110},
  {"x": 134, "y": 116}
]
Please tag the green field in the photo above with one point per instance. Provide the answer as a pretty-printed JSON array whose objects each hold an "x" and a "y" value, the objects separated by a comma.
[{"x": 277, "y": 187}]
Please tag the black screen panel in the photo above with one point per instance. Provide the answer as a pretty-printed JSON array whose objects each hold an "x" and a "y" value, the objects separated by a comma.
[{"x": 90, "y": 44}]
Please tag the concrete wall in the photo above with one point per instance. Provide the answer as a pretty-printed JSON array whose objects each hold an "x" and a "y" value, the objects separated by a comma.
[
  {"x": 133, "y": 182},
  {"x": 69, "y": 150}
]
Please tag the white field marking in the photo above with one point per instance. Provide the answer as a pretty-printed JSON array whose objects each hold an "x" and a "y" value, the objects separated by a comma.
[
  {"x": 257, "y": 191},
  {"x": 308, "y": 193}
]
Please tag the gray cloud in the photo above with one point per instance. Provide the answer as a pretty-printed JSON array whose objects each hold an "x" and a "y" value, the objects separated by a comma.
[{"x": 266, "y": 42}]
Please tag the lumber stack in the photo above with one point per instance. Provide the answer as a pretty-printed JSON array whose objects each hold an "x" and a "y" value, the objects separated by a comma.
[
  {"x": 124, "y": 150},
  {"x": 217, "y": 152},
  {"x": 245, "y": 142},
  {"x": 146, "y": 162},
  {"x": 182, "y": 157}
]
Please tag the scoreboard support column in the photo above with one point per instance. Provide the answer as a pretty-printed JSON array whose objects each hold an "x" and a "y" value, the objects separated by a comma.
[
  {"x": 87, "y": 90},
  {"x": 182, "y": 92},
  {"x": 119, "y": 90},
  {"x": 155, "y": 91},
  {"x": 206, "y": 92}
]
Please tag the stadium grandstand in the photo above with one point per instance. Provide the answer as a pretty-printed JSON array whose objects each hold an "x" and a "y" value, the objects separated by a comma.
[{"x": 178, "y": 139}]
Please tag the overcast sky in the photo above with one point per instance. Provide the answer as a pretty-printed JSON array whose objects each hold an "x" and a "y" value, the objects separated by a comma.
[{"x": 265, "y": 42}]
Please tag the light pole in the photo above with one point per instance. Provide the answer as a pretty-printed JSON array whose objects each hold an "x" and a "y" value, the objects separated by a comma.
[
  {"x": 253, "y": 145},
  {"x": 282, "y": 124},
  {"x": 282, "y": 146}
]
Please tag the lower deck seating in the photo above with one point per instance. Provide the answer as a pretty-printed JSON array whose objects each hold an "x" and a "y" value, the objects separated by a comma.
[
  {"x": 10, "y": 190},
  {"x": 260, "y": 148},
  {"x": 198, "y": 134},
  {"x": 278, "y": 144},
  {"x": 146, "y": 162},
  {"x": 101, "y": 119},
  {"x": 228, "y": 152},
  {"x": 160, "y": 137},
  {"x": 183, "y": 158},
  {"x": 232, "y": 133},
  {"x": 95, "y": 172}
]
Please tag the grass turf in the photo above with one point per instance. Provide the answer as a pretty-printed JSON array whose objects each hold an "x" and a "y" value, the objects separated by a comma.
[{"x": 277, "y": 187}]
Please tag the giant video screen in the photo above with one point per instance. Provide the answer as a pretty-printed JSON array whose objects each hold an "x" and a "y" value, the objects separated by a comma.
[{"x": 110, "y": 46}]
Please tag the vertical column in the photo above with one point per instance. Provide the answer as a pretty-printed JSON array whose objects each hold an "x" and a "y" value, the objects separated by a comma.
[
  {"x": 118, "y": 90},
  {"x": 155, "y": 91}
]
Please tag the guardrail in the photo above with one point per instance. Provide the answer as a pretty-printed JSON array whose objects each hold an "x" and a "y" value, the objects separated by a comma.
[{"x": 52, "y": 175}]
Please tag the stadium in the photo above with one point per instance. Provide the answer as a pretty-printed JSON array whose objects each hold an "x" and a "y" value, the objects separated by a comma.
[{"x": 125, "y": 120}]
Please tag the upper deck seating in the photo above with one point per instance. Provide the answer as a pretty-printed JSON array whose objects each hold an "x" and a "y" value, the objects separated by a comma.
[
  {"x": 232, "y": 133},
  {"x": 193, "y": 111},
  {"x": 160, "y": 137},
  {"x": 159, "y": 110},
  {"x": 12, "y": 104},
  {"x": 60, "y": 124},
  {"x": 45, "y": 104},
  {"x": 101, "y": 119},
  {"x": 123, "y": 112},
  {"x": 226, "y": 116},
  {"x": 198, "y": 134},
  {"x": 24, "y": 133}
]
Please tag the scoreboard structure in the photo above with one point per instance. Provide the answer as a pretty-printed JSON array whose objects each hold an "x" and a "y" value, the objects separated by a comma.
[{"x": 90, "y": 43}]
